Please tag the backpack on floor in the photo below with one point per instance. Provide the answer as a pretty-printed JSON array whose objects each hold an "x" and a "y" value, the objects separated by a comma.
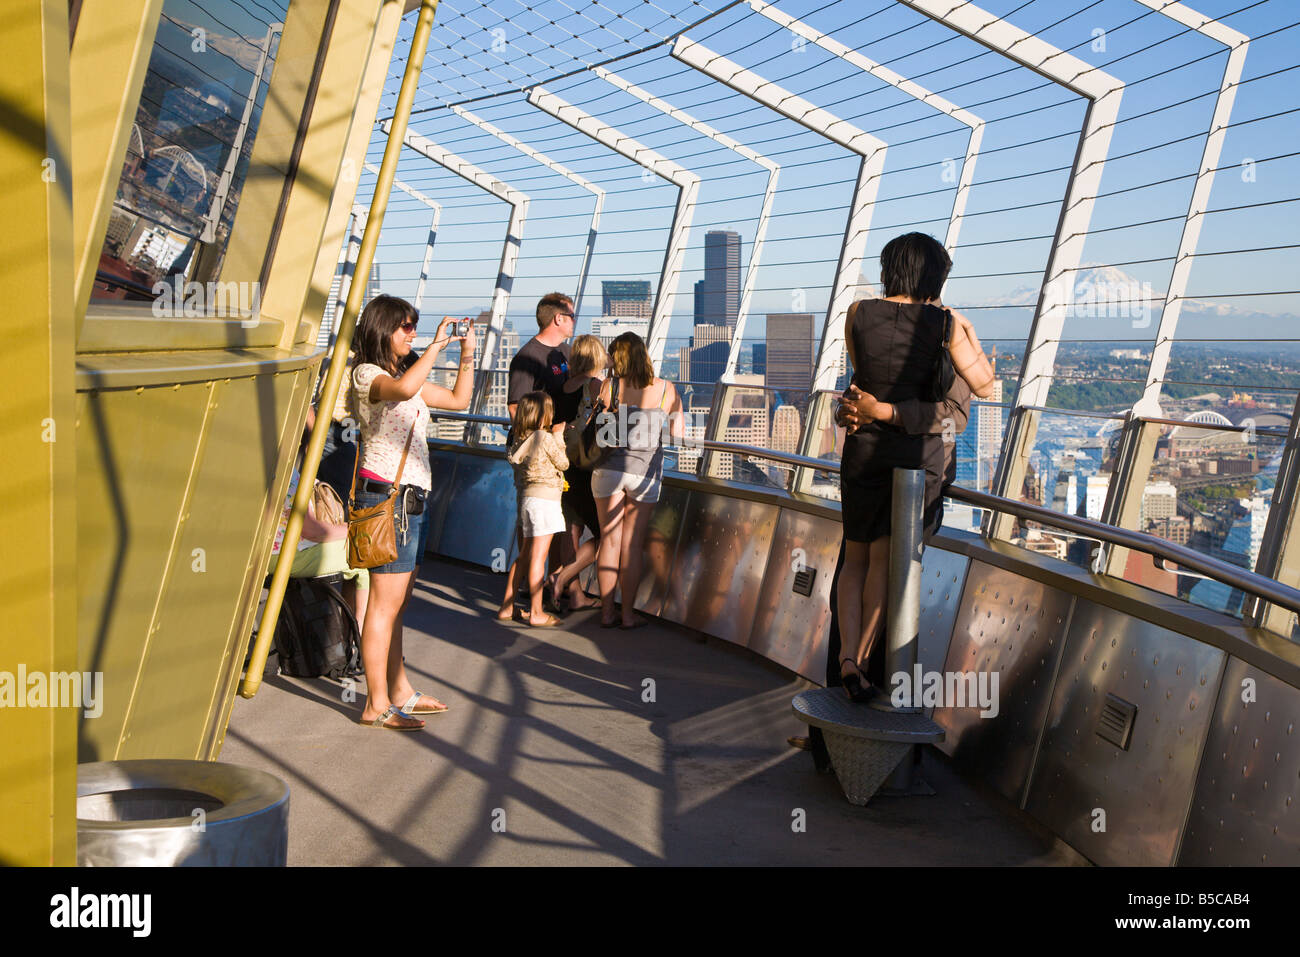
[{"x": 317, "y": 633}]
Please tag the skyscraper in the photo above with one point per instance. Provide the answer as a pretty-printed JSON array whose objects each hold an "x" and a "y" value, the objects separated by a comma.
[
  {"x": 710, "y": 347},
  {"x": 789, "y": 359},
  {"x": 626, "y": 297},
  {"x": 717, "y": 295}
]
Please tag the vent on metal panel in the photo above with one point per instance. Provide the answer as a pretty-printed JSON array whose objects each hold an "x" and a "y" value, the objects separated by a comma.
[
  {"x": 803, "y": 581},
  {"x": 1116, "y": 722}
]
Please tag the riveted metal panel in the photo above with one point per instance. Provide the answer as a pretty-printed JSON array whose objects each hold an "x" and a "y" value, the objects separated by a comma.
[
  {"x": 135, "y": 450},
  {"x": 658, "y": 554},
  {"x": 789, "y": 628},
  {"x": 721, "y": 558},
  {"x": 1246, "y": 807},
  {"x": 943, "y": 575},
  {"x": 185, "y": 660},
  {"x": 481, "y": 511},
  {"x": 1143, "y": 792},
  {"x": 1015, "y": 628}
]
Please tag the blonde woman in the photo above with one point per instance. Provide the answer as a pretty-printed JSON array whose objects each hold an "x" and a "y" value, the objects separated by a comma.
[
  {"x": 627, "y": 482},
  {"x": 587, "y": 363}
]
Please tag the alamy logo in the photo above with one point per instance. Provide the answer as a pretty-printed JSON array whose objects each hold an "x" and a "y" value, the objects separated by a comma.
[
  {"x": 75, "y": 909},
  {"x": 946, "y": 689},
  {"x": 54, "y": 689},
  {"x": 624, "y": 430},
  {"x": 175, "y": 298}
]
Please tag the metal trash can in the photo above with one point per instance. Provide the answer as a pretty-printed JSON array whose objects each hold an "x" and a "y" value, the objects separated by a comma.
[{"x": 173, "y": 813}]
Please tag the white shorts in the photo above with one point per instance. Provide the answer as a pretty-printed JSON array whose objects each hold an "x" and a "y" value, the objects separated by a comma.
[
  {"x": 541, "y": 516},
  {"x": 639, "y": 488}
]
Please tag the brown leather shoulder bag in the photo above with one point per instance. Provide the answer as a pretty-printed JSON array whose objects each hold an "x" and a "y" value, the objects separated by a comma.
[{"x": 372, "y": 538}]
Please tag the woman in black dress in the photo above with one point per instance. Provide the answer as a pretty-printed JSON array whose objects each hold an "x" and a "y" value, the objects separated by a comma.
[{"x": 893, "y": 344}]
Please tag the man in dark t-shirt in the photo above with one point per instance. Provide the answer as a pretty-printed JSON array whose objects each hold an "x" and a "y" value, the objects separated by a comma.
[
  {"x": 542, "y": 365},
  {"x": 543, "y": 362}
]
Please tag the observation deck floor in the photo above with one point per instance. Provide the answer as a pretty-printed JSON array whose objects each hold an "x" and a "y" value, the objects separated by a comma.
[{"x": 550, "y": 726}]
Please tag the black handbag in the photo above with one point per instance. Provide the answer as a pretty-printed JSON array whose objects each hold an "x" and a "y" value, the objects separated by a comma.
[
  {"x": 944, "y": 373},
  {"x": 582, "y": 447},
  {"x": 316, "y": 634}
]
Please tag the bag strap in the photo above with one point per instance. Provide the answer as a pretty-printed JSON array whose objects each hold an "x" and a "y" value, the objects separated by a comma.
[
  {"x": 947, "y": 328},
  {"x": 397, "y": 479},
  {"x": 352, "y": 492},
  {"x": 356, "y": 467}
]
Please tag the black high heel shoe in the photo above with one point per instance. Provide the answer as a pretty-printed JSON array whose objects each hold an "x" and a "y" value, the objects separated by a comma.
[{"x": 858, "y": 692}]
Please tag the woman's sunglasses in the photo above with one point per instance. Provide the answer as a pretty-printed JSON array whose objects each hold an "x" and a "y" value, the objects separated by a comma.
[{"x": 408, "y": 325}]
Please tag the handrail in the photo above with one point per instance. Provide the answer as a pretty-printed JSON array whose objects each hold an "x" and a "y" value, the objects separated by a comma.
[
  {"x": 470, "y": 417},
  {"x": 1247, "y": 581},
  {"x": 1250, "y": 582}
]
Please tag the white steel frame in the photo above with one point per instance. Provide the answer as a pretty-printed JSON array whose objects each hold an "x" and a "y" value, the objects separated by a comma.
[
  {"x": 867, "y": 65},
  {"x": 433, "y": 232},
  {"x": 1237, "y": 43},
  {"x": 1103, "y": 93},
  {"x": 564, "y": 171},
  {"x": 688, "y": 188},
  {"x": 348, "y": 260},
  {"x": 509, "y": 249},
  {"x": 765, "y": 212},
  {"x": 870, "y": 168}
]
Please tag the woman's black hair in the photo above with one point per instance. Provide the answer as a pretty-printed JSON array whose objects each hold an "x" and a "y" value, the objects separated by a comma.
[
  {"x": 914, "y": 265},
  {"x": 374, "y": 338}
]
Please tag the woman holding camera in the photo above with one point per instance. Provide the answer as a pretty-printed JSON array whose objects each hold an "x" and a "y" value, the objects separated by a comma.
[{"x": 392, "y": 398}]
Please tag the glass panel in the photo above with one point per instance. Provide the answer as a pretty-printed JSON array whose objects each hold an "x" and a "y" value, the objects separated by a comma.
[
  {"x": 1099, "y": 376},
  {"x": 1069, "y": 471},
  {"x": 189, "y": 148},
  {"x": 1209, "y": 489},
  {"x": 764, "y": 418},
  {"x": 827, "y": 443},
  {"x": 495, "y": 404},
  {"x": 697, "y": 403}
]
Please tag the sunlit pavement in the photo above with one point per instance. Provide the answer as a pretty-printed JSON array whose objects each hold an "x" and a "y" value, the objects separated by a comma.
[{"x": 587, "y": 746}]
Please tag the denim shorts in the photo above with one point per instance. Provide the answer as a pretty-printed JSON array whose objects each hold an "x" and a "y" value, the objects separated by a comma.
[{"x": 410, "y": 551}]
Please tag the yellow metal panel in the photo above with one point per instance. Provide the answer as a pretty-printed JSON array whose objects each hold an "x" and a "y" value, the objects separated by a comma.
[
  {"x": 209, "y": 564},
  {"x": 110, "y": 55},
  {"x": 295, "y": 390},
  {"x": 37, "y": 587},
  {"x": 133, "y": 369},
  {"x": 135, "y": 452},
  {"x": 362, "y": 125},
  {"x": 295, "y": 61},
  {"x": 133, "y": 329}
]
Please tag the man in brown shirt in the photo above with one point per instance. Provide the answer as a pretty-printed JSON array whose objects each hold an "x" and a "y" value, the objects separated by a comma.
[{"x": 947, "y": 418}]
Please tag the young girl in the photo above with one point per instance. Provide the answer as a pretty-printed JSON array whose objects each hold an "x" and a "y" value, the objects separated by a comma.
[{"x": 538, "y": 457}]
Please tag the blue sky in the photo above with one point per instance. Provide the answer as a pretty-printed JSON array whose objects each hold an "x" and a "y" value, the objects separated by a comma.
[{"x": 1029, "y": 143}]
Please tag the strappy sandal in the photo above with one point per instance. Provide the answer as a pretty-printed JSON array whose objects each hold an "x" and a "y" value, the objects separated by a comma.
[
  {"x": 383, "y": 719},
  {"x": 550, "y": 621},
  {"x": 410, "y": 706}
]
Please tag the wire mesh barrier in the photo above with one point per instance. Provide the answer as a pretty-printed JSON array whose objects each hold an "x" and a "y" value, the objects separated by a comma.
[{"x": 1113, "y": 183}]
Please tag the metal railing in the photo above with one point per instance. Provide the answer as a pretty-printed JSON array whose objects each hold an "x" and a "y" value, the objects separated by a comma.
[{"x": 1249, "y": 582}]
